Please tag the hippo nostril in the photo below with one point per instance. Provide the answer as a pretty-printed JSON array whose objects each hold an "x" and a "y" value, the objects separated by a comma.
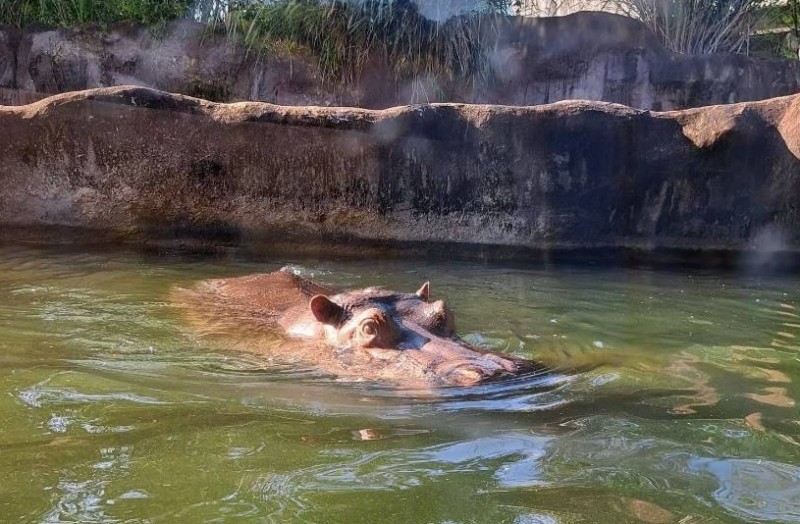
[
  {"x": 465, "y": 376},
  {"x": 504, "y": 363},
  {"x": 476, "y": 371}
]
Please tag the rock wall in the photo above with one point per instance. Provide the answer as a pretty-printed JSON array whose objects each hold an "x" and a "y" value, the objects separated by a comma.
[
  {"x": 572, "y": 174},
  {"x": 18, "y": 97},
  {"x": 8, "y": 58},
  {"x": 186, "y": 59},
  {"x": 592, "y": 56}
]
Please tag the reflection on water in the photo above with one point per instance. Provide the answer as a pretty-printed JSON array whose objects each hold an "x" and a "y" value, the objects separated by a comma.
[
  {"x": 754, "y": 488},
  {"x": 675, "y": 400}
]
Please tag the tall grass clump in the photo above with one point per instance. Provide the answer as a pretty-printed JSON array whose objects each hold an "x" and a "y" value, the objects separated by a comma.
[
  {"x": 67, "y": 13},
  {"x": 345, "y": 35},
  {"x": 699, "y": 26}
]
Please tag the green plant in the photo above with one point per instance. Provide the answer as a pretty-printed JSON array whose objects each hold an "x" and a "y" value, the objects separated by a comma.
[
  {"x": 784, "y": 20},
  {"x": 345, "y": 35}
]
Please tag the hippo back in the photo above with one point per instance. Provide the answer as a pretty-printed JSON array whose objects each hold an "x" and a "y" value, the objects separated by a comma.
[{"x": 253, "y": 300}]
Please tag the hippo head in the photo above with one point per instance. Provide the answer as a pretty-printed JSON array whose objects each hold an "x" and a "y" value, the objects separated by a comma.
[{"x": 406, "y": 334}]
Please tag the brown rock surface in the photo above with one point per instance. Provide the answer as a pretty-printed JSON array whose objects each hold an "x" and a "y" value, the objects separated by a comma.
[{"x": 571, "y": 174}]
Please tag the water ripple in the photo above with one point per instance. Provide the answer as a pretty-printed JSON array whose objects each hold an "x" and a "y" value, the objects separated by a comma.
[
  {"x": 511, "y": 459},
  {"x": 52, "y": 396},
  {"x": 753, "y": 488}
]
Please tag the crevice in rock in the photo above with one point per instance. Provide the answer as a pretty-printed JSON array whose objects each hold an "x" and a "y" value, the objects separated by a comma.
[{"x": 15, "y": 41}]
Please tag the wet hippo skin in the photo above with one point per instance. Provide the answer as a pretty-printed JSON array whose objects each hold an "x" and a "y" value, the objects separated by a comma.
[{"x": 364, "y": 334}]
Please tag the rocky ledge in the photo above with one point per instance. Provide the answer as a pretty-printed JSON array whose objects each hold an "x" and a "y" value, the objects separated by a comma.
[{"x": 143, "y": 163}]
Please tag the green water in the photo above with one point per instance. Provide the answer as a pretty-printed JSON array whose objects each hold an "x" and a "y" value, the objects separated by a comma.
[{"x": 675, "y": 400}]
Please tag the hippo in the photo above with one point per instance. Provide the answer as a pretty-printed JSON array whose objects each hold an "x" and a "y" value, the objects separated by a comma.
[{"x": 364, "y": 334}]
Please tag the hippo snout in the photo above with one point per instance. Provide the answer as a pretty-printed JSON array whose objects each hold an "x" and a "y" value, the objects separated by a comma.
[{"x": 476, "y": 370}]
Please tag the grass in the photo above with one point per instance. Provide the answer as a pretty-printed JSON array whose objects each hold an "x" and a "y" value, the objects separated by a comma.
[
  {"x": 346, "y": 35},
  {"x": 698, "y": 26},
  {"x": 343, "y": 35},
  {"x": 68, "y": 13}
]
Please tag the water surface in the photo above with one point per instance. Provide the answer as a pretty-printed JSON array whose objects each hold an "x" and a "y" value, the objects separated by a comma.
[{"x": 675, "y": 400}]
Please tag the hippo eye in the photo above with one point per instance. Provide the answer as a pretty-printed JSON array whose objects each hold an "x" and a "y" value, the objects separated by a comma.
[
  {"x": 369, "y": 328},
  {"x": 375, "y": 331}
]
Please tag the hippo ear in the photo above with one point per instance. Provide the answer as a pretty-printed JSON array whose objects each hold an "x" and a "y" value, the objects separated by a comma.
[
  {"x": 326, "y": 310},
  {"x": 425, "y": 291}
]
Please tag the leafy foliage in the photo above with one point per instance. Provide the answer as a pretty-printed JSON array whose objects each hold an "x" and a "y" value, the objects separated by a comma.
[{"x": 785, "y": 16}]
